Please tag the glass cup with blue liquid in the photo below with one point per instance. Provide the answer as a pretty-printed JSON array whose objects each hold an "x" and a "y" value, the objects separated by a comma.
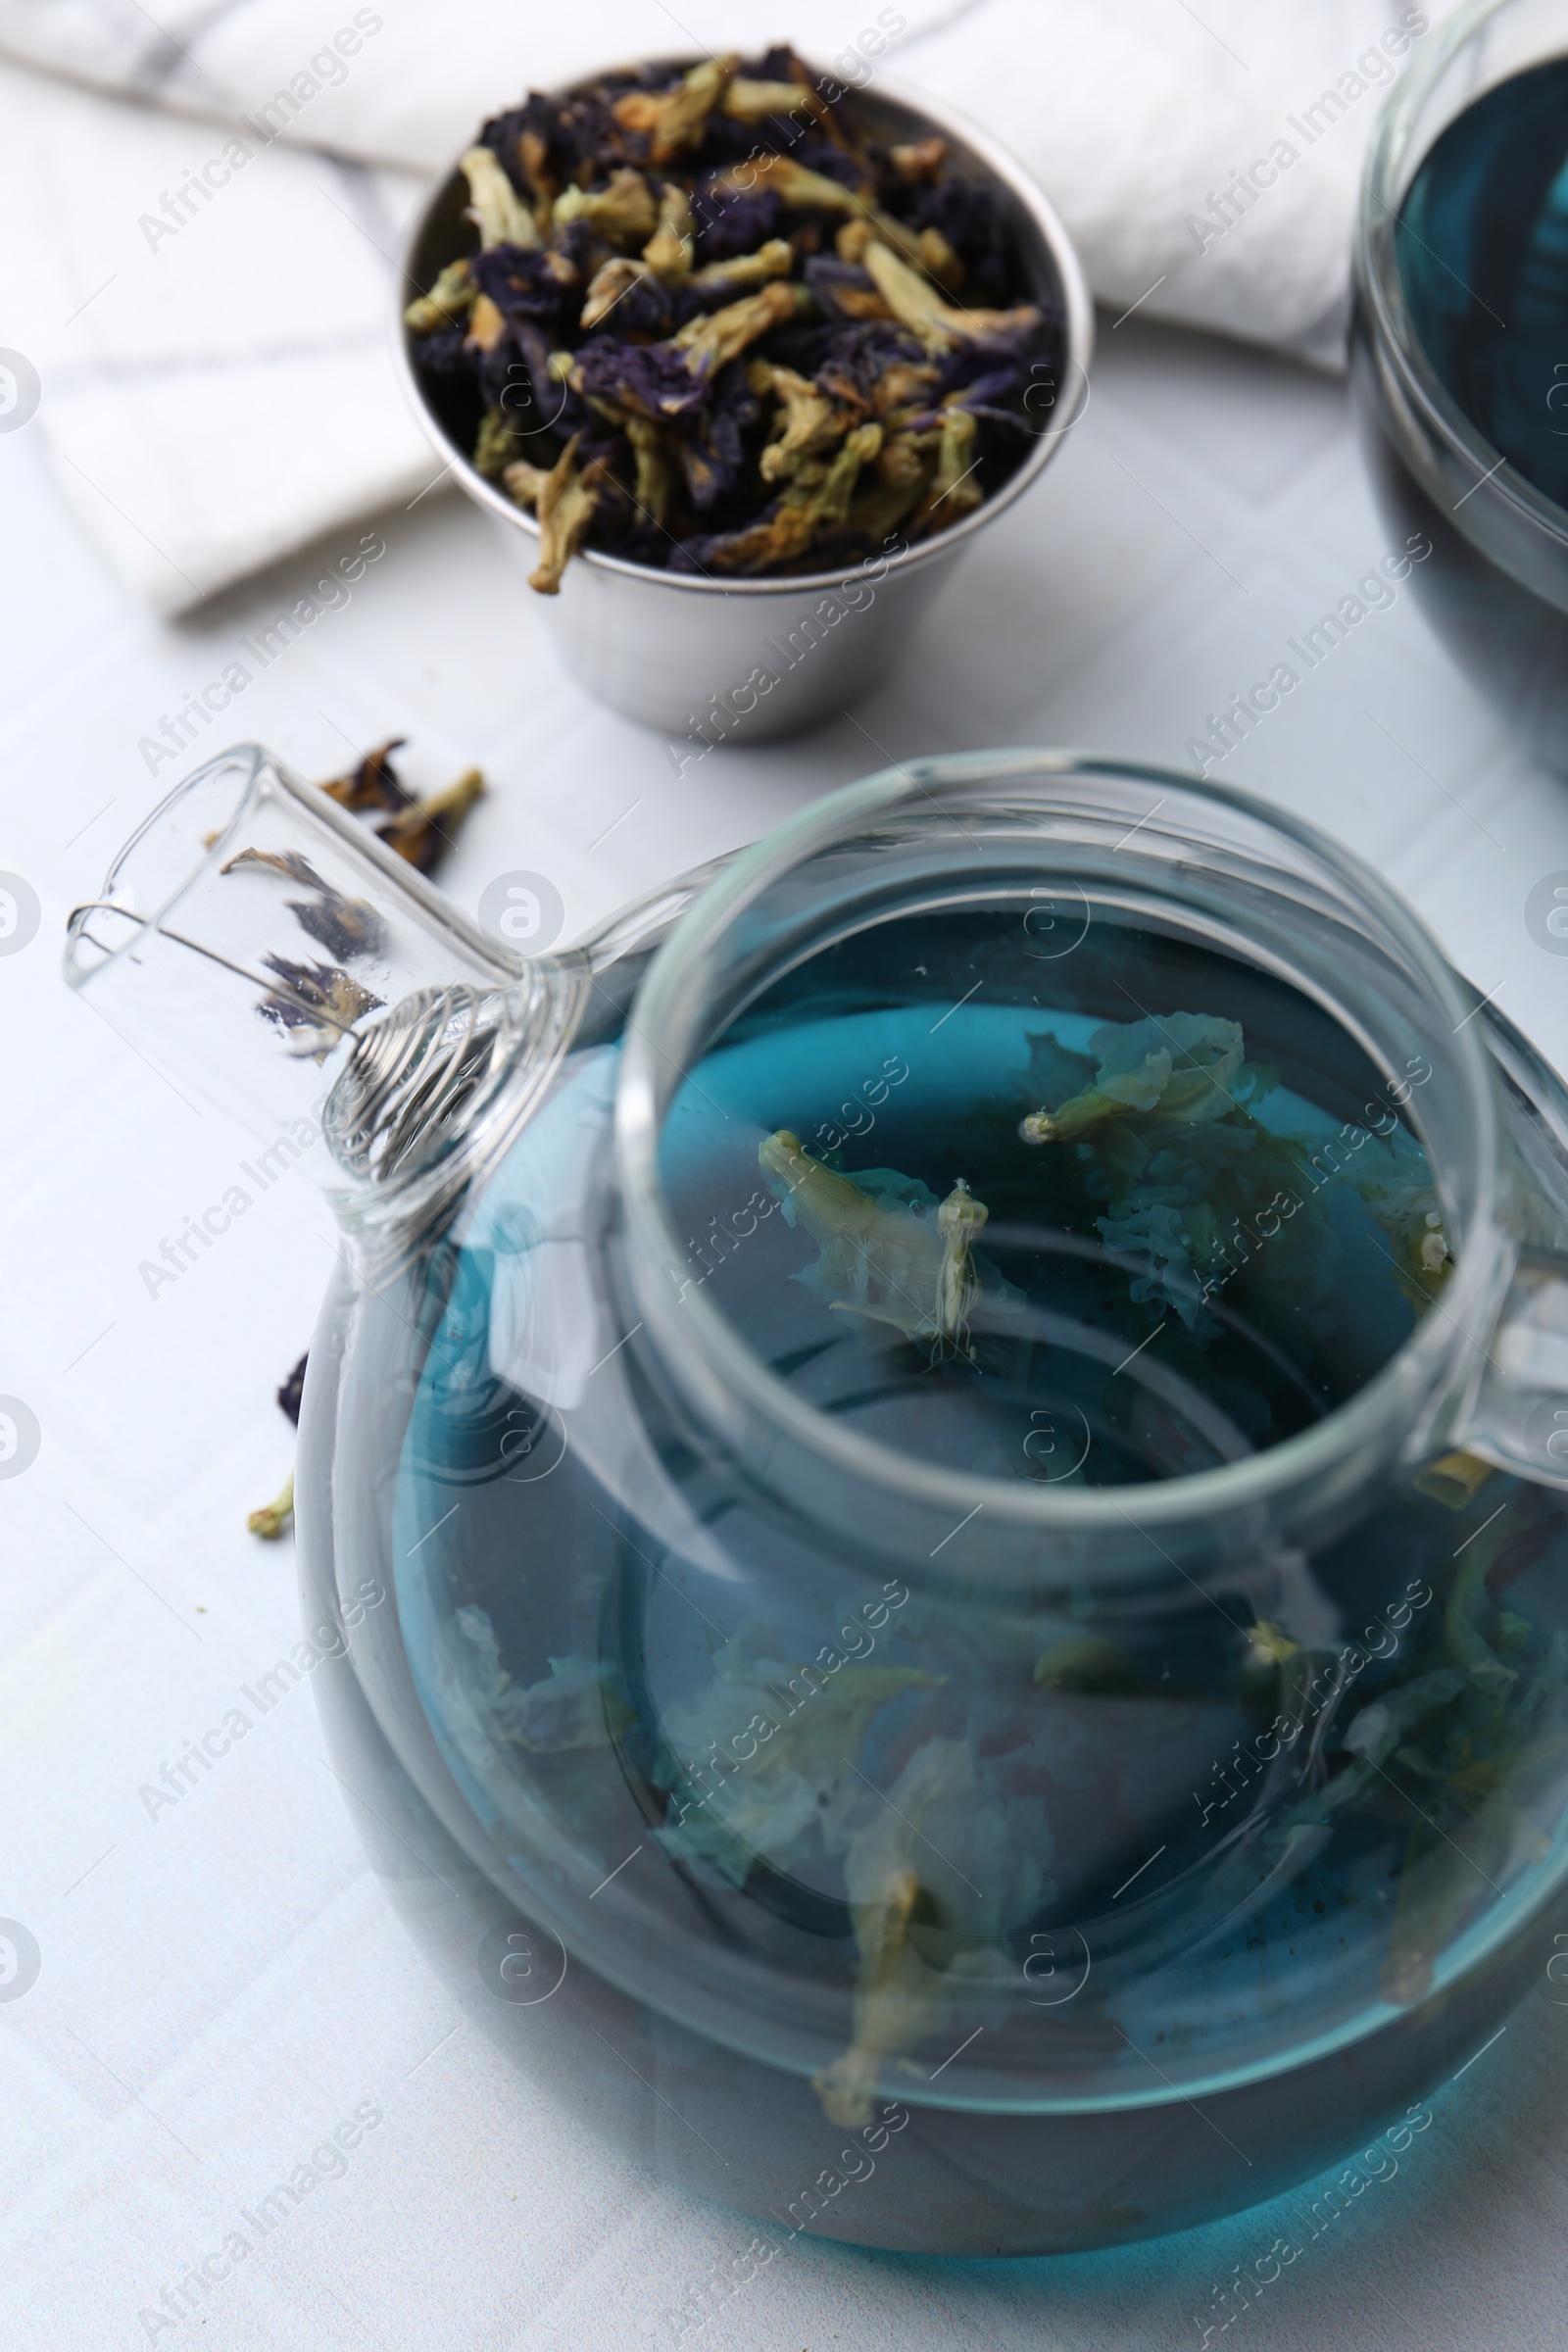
[{"x": 1459, "y": 349}]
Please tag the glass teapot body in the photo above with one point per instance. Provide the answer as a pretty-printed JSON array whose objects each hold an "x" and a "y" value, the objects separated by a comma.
[{"x": 935, "y": 1504}]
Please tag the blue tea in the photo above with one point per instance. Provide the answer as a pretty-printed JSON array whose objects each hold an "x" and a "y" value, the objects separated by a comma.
[
  {"x": 1482, "y": 253},
  {"x": 1092, "y": 1219}
]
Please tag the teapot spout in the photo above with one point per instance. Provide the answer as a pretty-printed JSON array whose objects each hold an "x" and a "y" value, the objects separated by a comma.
[{"x": 255, "y": 943}]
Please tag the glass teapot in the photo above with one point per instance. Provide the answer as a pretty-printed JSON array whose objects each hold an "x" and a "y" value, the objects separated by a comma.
[{"x": 933, "y": 1481}]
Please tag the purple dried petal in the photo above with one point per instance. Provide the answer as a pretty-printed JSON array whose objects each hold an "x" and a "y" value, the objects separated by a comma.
[
  {"x": 729, "y": 224},
  {"x": 645, "y": 377}
]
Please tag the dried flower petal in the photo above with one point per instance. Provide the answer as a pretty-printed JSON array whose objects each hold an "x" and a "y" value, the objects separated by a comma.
[
  {"x": 912, "y": 298},
  {"x": 808, "y": 422},
  {"x": 448, "y": 303},
  {"x": 343, "y": 926},
  {"x": 523, "y": 482},
  {"x": 426, "y": 828},
  {"x": 815, "y": 501},
  {"x": 315, "y": 1005},
  {"x": 495, "y": 207},
  {"x": 673, "y": 119},
  {"x": 291, "y": 1394},
  {"x": 652, "y": 380},
  {"x": 954, "y": 490},
  {"x": 272, "y": 1517},
  {"x": 565, "y": 504},
  {"x": 776, "y": 259},
  {"x": 710, "y": 343},
  {"x": 920, "y": 159},
  {"x": 624, "y": 212},
  {"x": 754, "y": 101},
  {"x": 373, "y": 784},
  {"x": 669, "y": 251}
]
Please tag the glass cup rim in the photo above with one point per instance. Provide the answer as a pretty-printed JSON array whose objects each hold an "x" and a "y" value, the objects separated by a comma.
[
  {"x": 1377, "y": 273},
  {"x": 710, "y": 1359}
]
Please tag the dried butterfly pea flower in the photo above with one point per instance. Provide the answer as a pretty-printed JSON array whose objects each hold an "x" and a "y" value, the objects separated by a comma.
[
  {"x": 527, "y": 282},
  {"x": 565, "y": 501},
  {"x": 800, "y": 189},
  {"x": 654, "y": 451},
  {"x": 807, "y": 421},
  {"x": 953, "y": 489},
  {"x": 272, "y": 1517},
  {"x": 373, "y": 784},
  {"x": 669, "y": 251},
  {"x": 623, "y": 212},
  {"x": 843, "y": 290},
  {"x": 672, "y": 120},
  {"x": 906, "y": 460},
  {"x": 817, "y": 501},
  {"x": 711, "y": 342},
  {"x": 314, "y": 1004},
  {"x": 495, "y": 208},
  {"x": 448, "y": 303},
  {"x": 972, "y": 228},
  {"x": 746, "y": 101},
  {"x": 710, "y": 446},
  {"x": 422, "y": 830},
  {"x": 729, "y": 279},
  {"x": 609, "y": 283},
  {"x": 546, "y": 144},
  {"x": 912, "y": 297},
  {"x": 729, "y": 222},
  {"x": 879, "y": 509},
  {"x": 920, "y": 158},
  {"x": 292, "y": 1392},
  {"x": 652, "y": 380},
  {"x": 344, "y": 926},
  {"x": 497, "y": 444}
]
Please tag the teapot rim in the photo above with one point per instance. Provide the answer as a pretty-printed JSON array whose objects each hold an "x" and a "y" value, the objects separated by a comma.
[{"x": 733, "y": 1390}]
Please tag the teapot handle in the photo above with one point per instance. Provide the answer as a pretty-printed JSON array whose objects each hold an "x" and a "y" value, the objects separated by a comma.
[{"x": 1517, "y": 1414}]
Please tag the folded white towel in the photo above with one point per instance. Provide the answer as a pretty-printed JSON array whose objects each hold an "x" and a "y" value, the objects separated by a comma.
[{"x": 204, "y": 275}]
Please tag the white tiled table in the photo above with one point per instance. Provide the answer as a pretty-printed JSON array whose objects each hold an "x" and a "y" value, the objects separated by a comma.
[{"x": 223, "y": 1987}]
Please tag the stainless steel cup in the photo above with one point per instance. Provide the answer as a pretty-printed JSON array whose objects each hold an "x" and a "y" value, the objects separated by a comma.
[{"x": 706, "y": 659}]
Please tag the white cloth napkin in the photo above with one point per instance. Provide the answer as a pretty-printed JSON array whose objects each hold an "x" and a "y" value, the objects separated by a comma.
[{"x": 203, "y": 212}]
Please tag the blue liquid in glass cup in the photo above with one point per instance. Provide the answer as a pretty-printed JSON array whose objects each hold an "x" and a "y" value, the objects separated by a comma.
[{"x": 1460, "y": 349}]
